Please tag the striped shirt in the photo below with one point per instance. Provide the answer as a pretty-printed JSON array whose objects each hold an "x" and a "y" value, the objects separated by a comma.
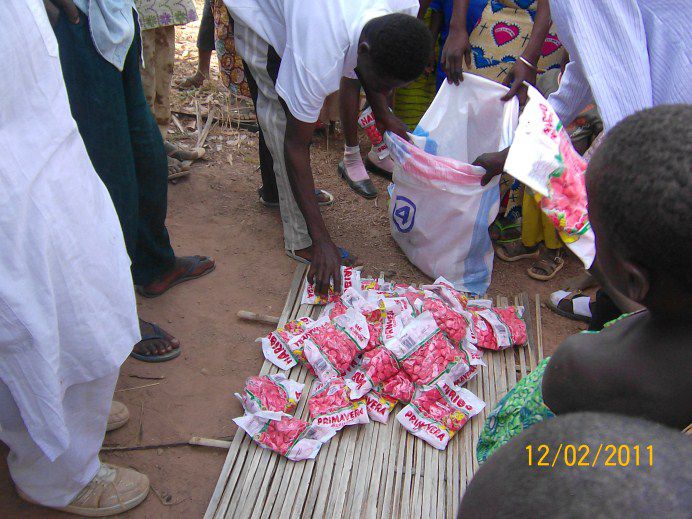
[{"x": 625, "y": 55}]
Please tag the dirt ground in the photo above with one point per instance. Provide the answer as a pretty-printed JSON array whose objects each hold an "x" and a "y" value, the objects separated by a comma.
[{"x": 215, "y": 211}]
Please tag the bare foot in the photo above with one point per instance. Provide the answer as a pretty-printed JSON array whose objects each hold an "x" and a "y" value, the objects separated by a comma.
[{"x": 194, "y": 81}]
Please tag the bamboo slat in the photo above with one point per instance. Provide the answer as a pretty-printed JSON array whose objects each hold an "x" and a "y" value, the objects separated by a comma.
[{"x": 371, "y": 471}]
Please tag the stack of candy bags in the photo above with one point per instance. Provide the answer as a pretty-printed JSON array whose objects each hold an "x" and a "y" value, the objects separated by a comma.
[{"x": 377, "y": 344}]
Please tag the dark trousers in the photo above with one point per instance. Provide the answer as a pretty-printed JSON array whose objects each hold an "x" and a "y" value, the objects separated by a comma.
[
  {"x": 205, "y": 35},
  {"x": 603, "y": 310},
  {"x": 123, "y": 143}
]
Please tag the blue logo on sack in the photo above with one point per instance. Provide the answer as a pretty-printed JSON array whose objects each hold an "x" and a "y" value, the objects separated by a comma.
[{"x": 404, "y": 214}]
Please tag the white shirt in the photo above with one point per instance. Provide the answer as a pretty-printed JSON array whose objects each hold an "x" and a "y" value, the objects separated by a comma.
[
  {"x": 67, "y": 305},
  {"x": 317, "y": 41},
  {"x": 626, "y": 55}
]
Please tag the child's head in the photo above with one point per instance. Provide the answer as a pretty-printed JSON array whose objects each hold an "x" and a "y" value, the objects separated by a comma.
[
  {"x": 639, "y": 184},
  {"x": 506, "y": 485},
  {"x": 393, "y": 51}
]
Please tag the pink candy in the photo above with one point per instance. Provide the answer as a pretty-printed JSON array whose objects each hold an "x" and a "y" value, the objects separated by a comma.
[
  {"x": 280, "y": 435},
  {"x": 335, "y": 347},
  {"x": 499, "y": 328},
  {"x": 376, "y": 366},
  {"x": 330, "y": 405},
  {"x": 430, "y": 360},
  {"x": 350, "y": 277},
  {"x": 270, "y": 396},
  {"x": 450, "y": 322},
  {"x": 398, "y": 386},
  {"x": 512, "y": 317}
]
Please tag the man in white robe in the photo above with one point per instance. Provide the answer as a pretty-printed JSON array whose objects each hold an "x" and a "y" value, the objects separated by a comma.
[{"x": 67, "y": 309}]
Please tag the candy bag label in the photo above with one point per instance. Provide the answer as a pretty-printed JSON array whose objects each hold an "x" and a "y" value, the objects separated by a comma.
[
  {"x": 275, "y": 346},
  {"x": 350, "y": 277},
  {"x": 379, "y": 406},
  {"x": 500, "y": 329},
  {"x": 331, "y": 406}
]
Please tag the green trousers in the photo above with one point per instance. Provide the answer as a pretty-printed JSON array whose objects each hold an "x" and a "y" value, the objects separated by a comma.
[{"x": 123, "y": 143}]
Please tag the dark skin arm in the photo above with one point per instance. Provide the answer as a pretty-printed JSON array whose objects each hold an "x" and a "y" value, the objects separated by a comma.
[
  {"x": 521, "y": 71},
  {"x": 326, "y": 260},
  {"x": 564, "y": 384},
  {"x": 53, "y": 8},
  {"x": 435, "y": 26},
  {"x": 457, "y": 47},
  {"x": 384, "y": 118}
]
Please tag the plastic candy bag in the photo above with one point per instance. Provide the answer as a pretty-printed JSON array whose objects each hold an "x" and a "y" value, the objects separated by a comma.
[
  {"x": 425, "y": 354},
  {"x": 350, "y": 277},
  {"x": 379, "y": 406},
  {"x": 437, "y": 414},
  {"x": 275, "y": 346},
  {"x": 331, "y": 406},
  {"x": 452, "y": 323},
  {"x": 330, "y": 347},
  {"x": 290, "y": 437},
  {"x": 270, "y": 396},
  {"x": 400, "y": 387},
  {"x": 376, "y": 366},
  {"x": 542, "y": 157},
  {"x": 497, "y": 329}
]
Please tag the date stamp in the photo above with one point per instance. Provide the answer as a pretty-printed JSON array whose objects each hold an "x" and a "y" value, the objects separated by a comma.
[{"x": 582, "y": 455}]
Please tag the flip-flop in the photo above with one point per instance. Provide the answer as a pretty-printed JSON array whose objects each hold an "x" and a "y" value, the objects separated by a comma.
[
  {"x": 345, "y": 255},
  {"x": 185, "y": 277},
  {"x": 318, "y": 192},
  {"x": 501, "y": 253},
  {"x": 580, "y": 305},
  {"x": 550, "y": 266},
  {"x": 156, "y": 333}
]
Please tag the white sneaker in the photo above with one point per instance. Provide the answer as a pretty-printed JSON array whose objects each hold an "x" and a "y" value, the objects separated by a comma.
[
  {"x": 118, "y": 416},
  {"x": 113, "y": 490}
]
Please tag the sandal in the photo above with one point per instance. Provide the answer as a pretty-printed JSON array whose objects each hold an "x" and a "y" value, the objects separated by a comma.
[
  {"x": 156, "y": 333},
  {"x": 186, "y": 276},
  {"x": 515, "y": 251},
  {"x": 573, "y": 305},
  {"x": 545, "y": 269},
  {"x": 502, "y": 231}
]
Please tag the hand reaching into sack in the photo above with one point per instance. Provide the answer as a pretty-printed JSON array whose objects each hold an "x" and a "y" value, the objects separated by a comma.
[{"x": 493, "y": 163}]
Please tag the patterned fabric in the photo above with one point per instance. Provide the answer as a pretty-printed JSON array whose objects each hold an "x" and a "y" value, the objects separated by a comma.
[
  {"x": 411, "y": 101},
  {"x": 158, "y": 53},
  {"x": 521, "y": 408},
  {"x": 501, "y": 35},
  {"x": 161, "y": 13},
  {"x": 230, "y": 62}
]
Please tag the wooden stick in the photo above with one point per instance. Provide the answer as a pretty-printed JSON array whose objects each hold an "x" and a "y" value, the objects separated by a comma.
[
  {"x": 147, "y": 377},
  {"x": 137, "y": 387},
  {"x": 198, "y": 114},
  {"x": 195, "y": 440},
  {"x": 210, "y": 442},
  {"x": 178, "y": 124},
  {"x": 207, "y": 128},
  {"x": 258, "y": 318}
]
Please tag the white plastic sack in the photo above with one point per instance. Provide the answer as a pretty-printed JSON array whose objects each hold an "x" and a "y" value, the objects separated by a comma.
[{"x": 439, "y": 212}]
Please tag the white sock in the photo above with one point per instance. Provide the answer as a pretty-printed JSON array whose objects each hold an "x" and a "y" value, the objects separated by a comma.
[
  {"x": 353, "y": 162},
  {"x": 386, "y": 163}
]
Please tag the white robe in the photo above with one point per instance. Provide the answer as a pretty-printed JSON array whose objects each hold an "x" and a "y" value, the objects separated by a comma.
[{"x": 67, "y": 305}]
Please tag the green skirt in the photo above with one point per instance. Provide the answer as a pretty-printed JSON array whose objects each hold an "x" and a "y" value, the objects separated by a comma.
[{"x": 521, "y": 408}]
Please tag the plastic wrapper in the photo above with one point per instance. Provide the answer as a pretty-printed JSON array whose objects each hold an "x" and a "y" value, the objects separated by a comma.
[
  {"x": 270, "y": 396},
  {"x": 399, "y": 387},
  {"x": 498, "y": 328},
  {"x": 293, "y": 438},
  {"x": 331, "y": 406},
  {"x": 275, "y": 346},
  {"x": 543, "y": 158},
  {"x": 379, "y": 406},
  {"x": 452, "y": 323},
  {"x": 330, "y": 347},
  {"x": 437, "y": 414},
  {"x": 425, "y": 354},
  {"x": 456, "y": 300},
  {"x": 350, "y": 277},
  {"x": 376, "y": 366}
]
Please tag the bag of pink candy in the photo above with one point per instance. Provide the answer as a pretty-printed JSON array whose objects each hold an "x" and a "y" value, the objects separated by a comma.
[
  {"x": 543, "y": 158},
  {"x": 330, "y": 346},
  {"x": 290, "y": 437},
  {"x": 350, "y": 277},
  {"x": 270, "y": 396},
  {"x": 435, "y": 415},
  {"x": 500, "y": 328},
  {"x": 275, "y": 346},
  {"x": 425, "y": 354},
  {"x": 331, "y": 406}
]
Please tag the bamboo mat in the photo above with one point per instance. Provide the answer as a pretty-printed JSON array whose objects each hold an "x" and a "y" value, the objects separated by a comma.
[{"x": 376, "y": 470}]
